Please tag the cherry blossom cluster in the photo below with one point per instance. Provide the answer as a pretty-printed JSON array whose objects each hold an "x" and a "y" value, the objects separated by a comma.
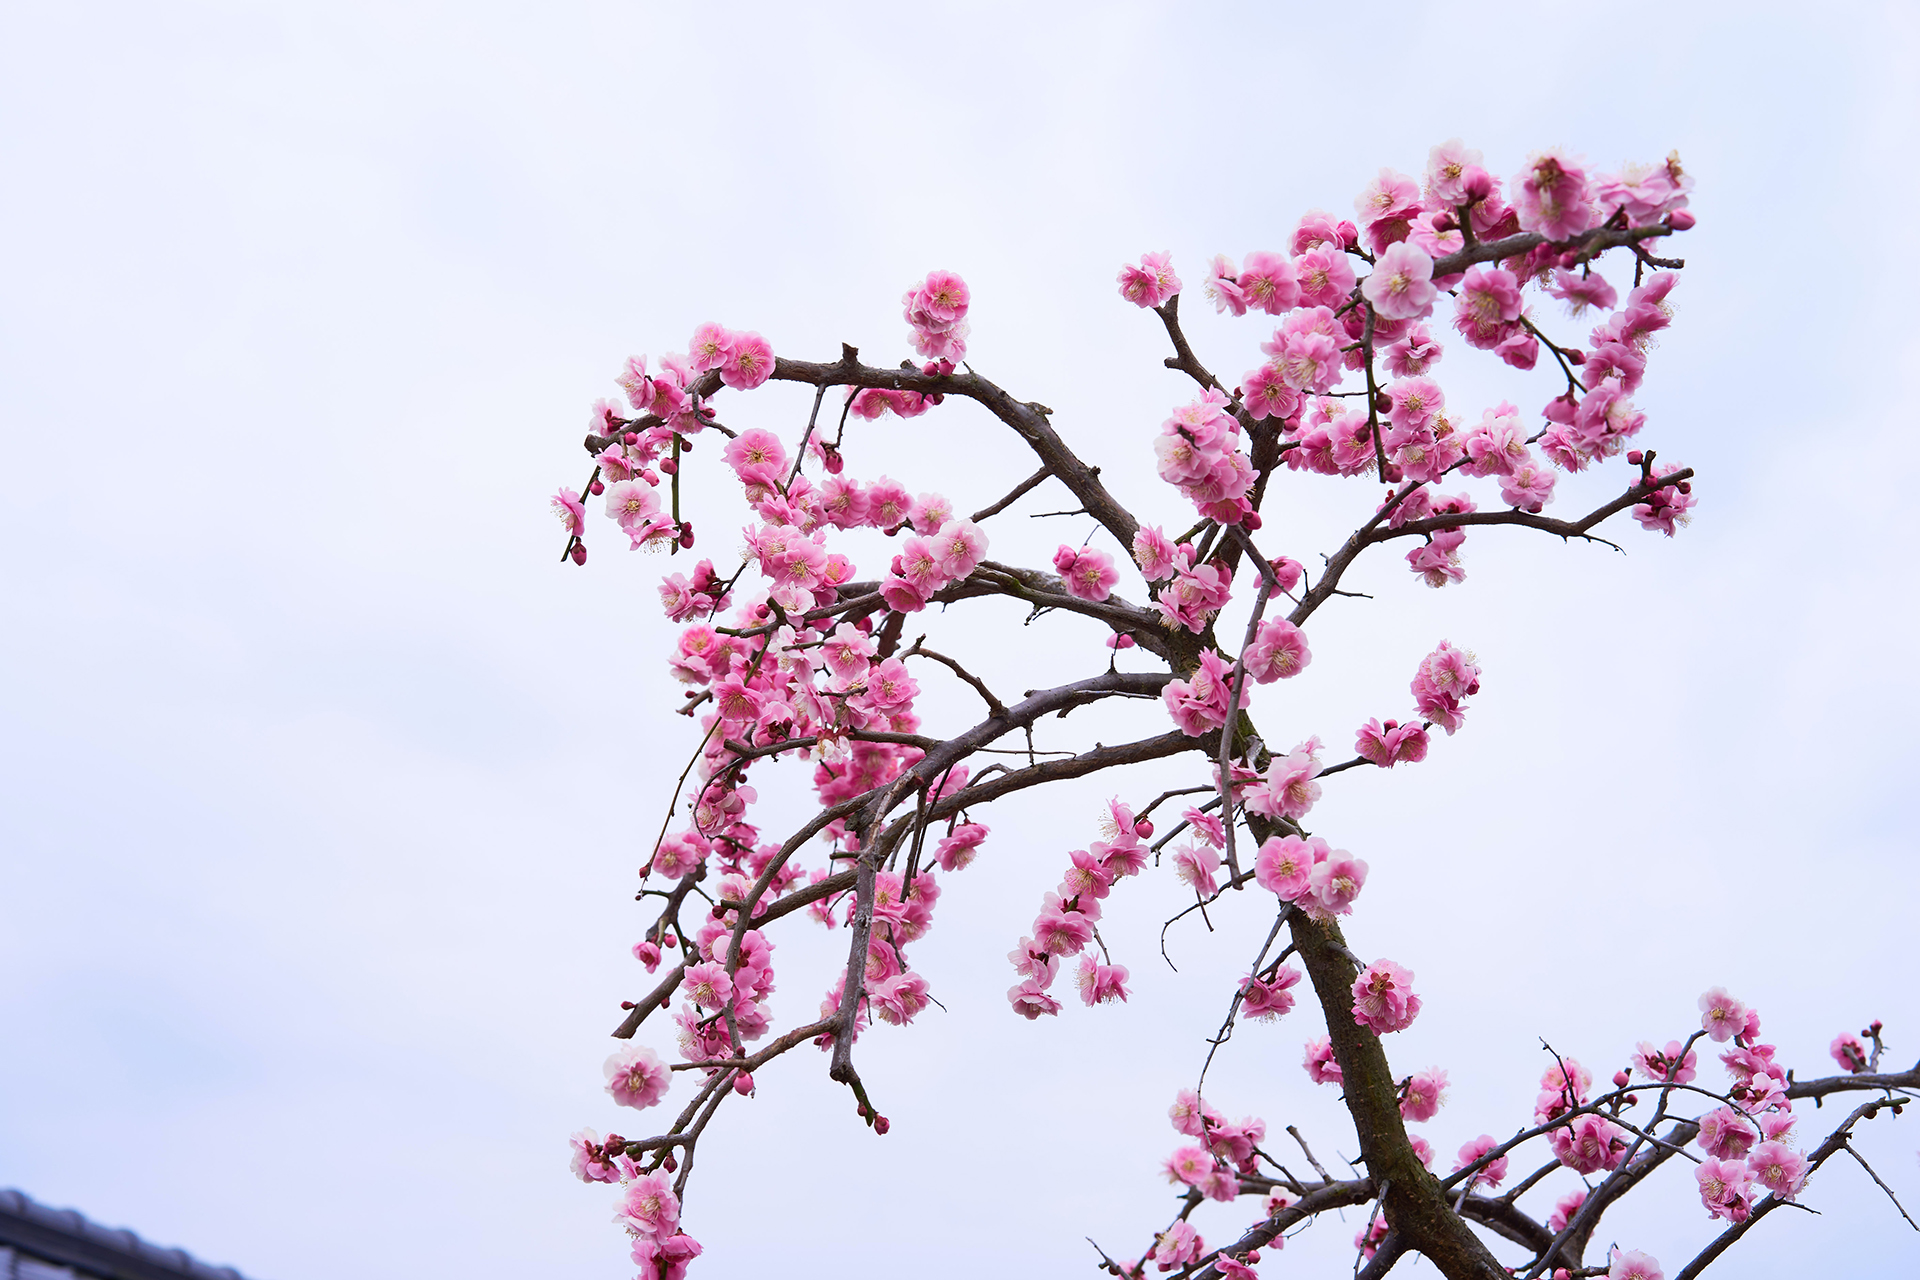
[{"x": 799, "y": 654}]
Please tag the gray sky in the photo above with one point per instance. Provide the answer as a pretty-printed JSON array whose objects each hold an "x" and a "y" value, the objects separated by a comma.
[{"x": 324, "y": 785}]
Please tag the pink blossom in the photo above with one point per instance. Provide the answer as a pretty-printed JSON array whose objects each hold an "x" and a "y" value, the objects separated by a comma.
[
  {"x": 1721, "y": 1016},
  {"x": 959, "y": 544},
  {"x": 1550, "y": 196},
  {"x": 1633, "y": 1265},
  {"x": 897, "y": 999},
  {"x": 1195, "y": 865},
  {"x": 1589, "y": 1144},
  {"x": 1665, "y": 507},
  {"x": 1383, "y": 998},
  {"x": 1849, "y": 1052},
  {"x": 1401, "y": 286},
  {"x": 1150, "y": 283},
  {"x": 1178, "y": 1244},
  {"x": 1423, "y": 1095},
  {"x": 958, "y": 849},
  {"x": 1190, "y": 1165},
  {"x": 709, "y": 986},
  {"x": 647, "y": 953},
  {"x": 572, "y": 512},
  {"x": 1263, "y": 1000},
  {"x": 1289, "y": 790},
  {"x": 1778, "y": 1169},
  {"x": 1285, "y": 864},
  {"x": 1529, "y": 487},
  {"x": 665, "y": 1257},
  {"x": 1323, "y": 276},
  {"x": 1321, "y": 1065},
  {"x": 1268, "y": 282},
  {"x": 1335, "y": 882},
  {"x": 1438, "y": 560},
  {"x": 1279, "y": 651},
  {"x": 590, "y": 1160},
  {"x": 1223, "y": 286},
  {"x": 1565, "y": 1208},
  {"x": 710, "y": 347},
  {"x": 1726, "y": 1188},
  {"x": 1200, "y": 703},
  {"x": 1100, "y": 983},
  {"x": 636, "y": 1077},
  {"x": 1231, "y": 1268},
  {"x": 749, "y": 363},
  {"x": 1488, "y": 303},
  {"x": 1384, "y": 210},
  {"x": 632, "y": 504},
  {"x": 1648, "y": 192},
  {"x": 1060, "y": 932},
  {"x": 1388, "y": 744},
  {"x": 1493, "y": 1172},
  {"x": 1725, "y": 1133},
  {"x": 1447, "y": 165},
  {"x": 1665, "y": 1064},
  {"x": 1582, "y": 291},
  {"x": 756, "y": 453},
  {"x": 1087, "y": 573},
  {"x": 649, "y": 1207},
  {"x": 1030, "y": 1000},
  {"x": 1153, "y": 553}
]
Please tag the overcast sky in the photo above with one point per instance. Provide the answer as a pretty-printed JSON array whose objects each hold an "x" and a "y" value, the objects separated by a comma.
[{"x": 324, "y": 784}]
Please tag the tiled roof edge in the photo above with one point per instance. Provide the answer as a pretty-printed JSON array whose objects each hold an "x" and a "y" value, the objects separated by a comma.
[{"x": 70, "y": 1239}]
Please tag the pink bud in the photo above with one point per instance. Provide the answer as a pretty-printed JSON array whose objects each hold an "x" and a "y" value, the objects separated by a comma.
[
  {"x": 1633, "y": 458},
  {"x": 630, "y": 437},
  {"x": 1063, "y": 558},
  {"x": 596, "y": 488},
  {"x": 1251, "y": 521},
  {"x": 881, "y": 1124},
  {"x": 1144, "y": 828},
  {"x": 686, "y": 533},
  {"x": 669, "y": 467},
  {"x": 1681, "y": 220},
  {"x": 743, "y": 1083},
  {"x": 579, "y": 553},
  {"x": 1620, "y": 1079}
]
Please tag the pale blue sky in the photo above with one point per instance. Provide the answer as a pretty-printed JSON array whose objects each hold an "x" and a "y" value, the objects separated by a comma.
[{"x": 324, "y": 785}]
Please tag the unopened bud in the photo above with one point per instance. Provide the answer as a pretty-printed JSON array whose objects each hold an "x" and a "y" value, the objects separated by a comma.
[
  {"x": 668, "y": 466},
  {"x": 631, "y": 437},
  {"x": 1686, "y": 486},
  {"x": 686, "y": 445},
  {"x": 1144, "y": 828},
  {"x": 1681, "y": 220},
  {"x": 881, "y": 1124},
  {"x": 597, "y": 487},
  {"x": 626, "y": 1004},
  {"x": 669, "y": 1163},
  {"x": 686, "y": 534},
  {"x": 579, "y": 553},
  {"x": 1383, "y": 402},
  {"x": 1251, "y": 522},
  {"x": 1633, "y": 457},
  {"x": 1575, "y": 355},
  {"x": 1620, "y": 1079},
  {"x": 743, "y": 1083}
]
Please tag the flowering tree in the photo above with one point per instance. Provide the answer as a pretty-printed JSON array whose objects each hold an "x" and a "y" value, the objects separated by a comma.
[{"x": 809, "y": 665}]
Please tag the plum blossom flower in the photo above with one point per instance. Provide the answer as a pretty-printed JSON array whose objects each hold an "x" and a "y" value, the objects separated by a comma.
[
  {"x": 749, "y": 362},
  {"x": 1285, "y": 864},
  {"x": 1030, "y": 1000},
  {"x": 1493, "y": 1172},
  {"x": 1424, "y": 1094},
  {"x": 1401, "y": 285},
  {"x": 1335, "y": 882},
  {"x": 1779, "y": 1169},
  {"x": 636, "y": 1077},
  {"x": 1665, "y": 1064},
  {"x": 1721, "y": 1016},
  {"x": 1550, "y": 196},
  {"x": 1383, "y": 998},
  {"x": 590, "y": 1160},
  {"x": 1150, "y": 283},
  {"x": 1726, "y": 1188},
  {"x": 1633, "y": 1265},
  {"x": 1322, "y": 1067},
  {"x": 649, "y": 1207},
  {"x": 1100, "y": 983},
  {"x": 1178, "y": 1244},
  {"x": 1849, "y": 1052}
]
